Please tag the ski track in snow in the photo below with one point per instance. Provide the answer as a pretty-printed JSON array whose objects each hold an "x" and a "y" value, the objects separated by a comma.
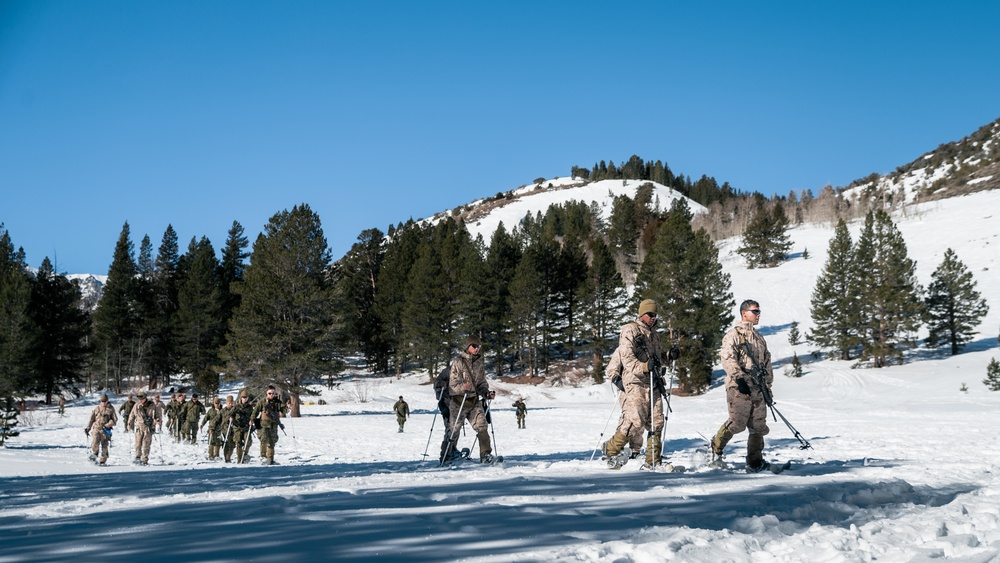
[{"x": 904, "y": 465}]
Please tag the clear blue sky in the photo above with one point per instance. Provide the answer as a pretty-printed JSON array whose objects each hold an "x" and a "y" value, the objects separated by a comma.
[{"x": 196, "y": 114}]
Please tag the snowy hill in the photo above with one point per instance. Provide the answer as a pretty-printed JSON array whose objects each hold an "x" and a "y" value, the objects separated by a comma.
[
  {"x": 905, "y": 465},
  {"x": 482, "y": 217}
]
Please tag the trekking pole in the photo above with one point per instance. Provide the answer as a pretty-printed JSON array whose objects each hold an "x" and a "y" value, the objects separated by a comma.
[
  {"x": 454, "y": 431},
  {"x": 249, "y": 441},
  {"x": 758, "y": 378},
  {"x": 667, "y": 410},
  {"x": 433, "y": 422},
  {"x": 492, "y": 431},
  {"x": 610, "y": 414},
  {"x": 430, "y": 435}
]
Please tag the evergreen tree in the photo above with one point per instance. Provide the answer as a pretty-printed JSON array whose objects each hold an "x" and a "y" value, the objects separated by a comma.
[
  {"x": 683, "y": 275},
  {"x": 232, "y": 268},
  {"x": 793, "y": 333},
  {"x": 391, "y": 290},
  {"x": 605, "y": 300},
  {"x": 623, "y": 231},
  {"x": 61, "y": 353},
  {"x": 765, "y": 240},
  {"x": 891, "y": 307},
  {"x": 570, "y": 283},
  {"x": 796, "y": 365},
  {"x": 526, "y": 298},
  {"x": 160, "y": 288},
  {"x": 284, "y": 330},
  {"x": 198, "y": 324},
  {"x": 357, "y": 283},
  {"x": 502, "y": 259},
  {"x": 835, "y": 303},
  {"x": 120, "y": 343},
  {"x": 953, "y": 306},
  {"x": 18, "y": 334},
  {"x": 8, "y": 419},
  {"x": 992, "y": 375}
]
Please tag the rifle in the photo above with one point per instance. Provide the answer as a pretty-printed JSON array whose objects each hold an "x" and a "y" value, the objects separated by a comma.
[{"x": 759, "y": 378}]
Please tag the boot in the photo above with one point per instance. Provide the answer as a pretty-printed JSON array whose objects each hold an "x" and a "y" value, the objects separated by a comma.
[
  {"x": 755, "y": 452},
  {"x": 721, "y": 438},
  {"x": 485, "y": 448},
  {"x": 654, "y": 450},
  {"x": 614, "y": 446}
]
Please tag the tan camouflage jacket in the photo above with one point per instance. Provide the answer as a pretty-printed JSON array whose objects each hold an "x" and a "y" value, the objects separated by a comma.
[
  {"x": 101, "y": 418},
  {"x": 144, "y": 418},
  {"x": 636, "y": 345},
  {"x": 468, "y": 376},
  {"x": 735, "y": 360}
]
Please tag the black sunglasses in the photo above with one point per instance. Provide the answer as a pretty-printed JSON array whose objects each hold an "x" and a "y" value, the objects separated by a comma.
[{"x": 754, "y": 311}]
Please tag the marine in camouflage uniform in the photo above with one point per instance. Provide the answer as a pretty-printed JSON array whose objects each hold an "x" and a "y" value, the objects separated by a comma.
[
  {"x": 402, "y": 411},
  {"x": 469, "y": 392},
  {"x": 639, "y": 347},
  {"x": 192, "y": 414},
  {"x": 143, "y": 418},
  {"x": 126, "y": 409},
  {"x": 521, "y": 410},
  {"x": 270, "y": 411},
  {"x": 744, "y": 397},
  {"x": 213, "y": 420},
  {"x": 242, "y": 417},
  {"x": 101, "y": 418},
  {"x": 227, "y": 428},
  {"x": 180, "y": 411}
]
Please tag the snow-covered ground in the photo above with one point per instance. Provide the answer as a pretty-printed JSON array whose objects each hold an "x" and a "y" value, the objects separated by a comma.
[{"x": 905, "y": 465}]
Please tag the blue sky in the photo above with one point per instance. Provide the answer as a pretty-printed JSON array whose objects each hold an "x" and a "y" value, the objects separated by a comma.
[{"x": 196, "y": 114}]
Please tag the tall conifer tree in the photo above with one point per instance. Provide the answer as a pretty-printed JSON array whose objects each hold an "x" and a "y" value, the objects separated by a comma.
[
  {"x": 953, "y": 306},
  {"x": 198, "y": 323},
  {"x": 120, "y": 344},
  {"x": 61, "y": 353},
  {"x": 18, "y": 334},
  {"x": 835, "y": 305}
]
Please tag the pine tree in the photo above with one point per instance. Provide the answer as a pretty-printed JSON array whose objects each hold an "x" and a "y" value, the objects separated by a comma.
[
  {"x": 8, "y": 419},
  {"x": 605, "y": 299},
  {"x": 891, "y": 307},
  {"x": 18, "y": 334},
  {"x": 796, "y": 365},
  {"x": 569, "y": 287},
  {"x": 358, "y": 273},
  {"x": 526, "y": 297},
  {"x": 160, "y": 311},
  {"x": 61, "y": 353},
  {"x": 953, "y": 306},
  {"x": 992, "y": 375},
  {"x": 198, "y": 323},
  {"x": 765, "y": 240},
  {"x": 683, "y": 275},
  {"x": 502, "y": 259},
  {"x": 232, "y": 268},
  {"x": 120, "y": 344},
  {"x": 835, "y": 303},
  {"x": 391, "y": 290},
  {"x": 793, "y": 333},
  {"x": 285, "y": 329}
]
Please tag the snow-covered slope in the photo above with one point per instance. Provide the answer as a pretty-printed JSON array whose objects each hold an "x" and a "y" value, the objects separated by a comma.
[{"x": 905, "y": 465}]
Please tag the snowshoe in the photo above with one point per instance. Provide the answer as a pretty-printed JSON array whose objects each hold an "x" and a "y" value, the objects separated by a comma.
[
  {"x": 764, "y": 466},
  {"x": 619, "y": 461}
]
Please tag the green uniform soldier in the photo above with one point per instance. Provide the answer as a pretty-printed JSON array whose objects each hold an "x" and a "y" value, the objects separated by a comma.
[
  {"x": 213, "y": 420},
  {"x": 270, "y": 411},
  {"x": 62, "y": 405},
  {"x": 180, "y": 411},
  {"x": 126, "y": 409},
  {"x": 143, "y": 419},
  {"x": 522, "y": 411},
  {"x": 402, "y": 412},
  {"x": 191, "y": 417},
  {"x": 227, "y": 428},
  {"x": 242, "y": 417}
]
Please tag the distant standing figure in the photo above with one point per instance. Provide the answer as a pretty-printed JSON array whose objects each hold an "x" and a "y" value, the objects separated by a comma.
[
  {"x": 192, "y": 414},
  {"x": 522, "y": 411},
  {"x": 62, "y": 405},
  {"x": 402, "y": 412},
  {"x": 213, "y": 419},
  {"x": 102, "y": 419},
  {"x": 270, "y": 411}
]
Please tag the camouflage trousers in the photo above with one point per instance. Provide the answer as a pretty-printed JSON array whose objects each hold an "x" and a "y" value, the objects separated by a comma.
[
  {"x": 99, "y": 443},
  {"x": 471, "y": 410},
  {"x": 268, "y": 436},
  {"x": 143, "y": 443},
  {"x": 746, "y": 411},
  {"x": 240, "y": 440},
  {"x": 634, "y": 420}
]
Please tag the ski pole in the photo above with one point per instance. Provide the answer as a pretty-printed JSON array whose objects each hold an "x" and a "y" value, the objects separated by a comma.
[
  {"x": 454, "y": 431},
  {"x": 667, "y": 410},
  {"x": 610, "y": 414},
  {"x": 429, "y": 436},
  {"x": 492, "y": 431}
]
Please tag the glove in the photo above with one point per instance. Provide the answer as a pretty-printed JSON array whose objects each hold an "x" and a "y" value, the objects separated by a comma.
[
  {"x": 618, "y": 383},
  {"x": 646, "y": 367},
  {"x": 674, "y": 353},
  {"x": 282, "y": 426},
  {"x": 87, "y": 432},
  {"x": 742, "y": 386}
]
